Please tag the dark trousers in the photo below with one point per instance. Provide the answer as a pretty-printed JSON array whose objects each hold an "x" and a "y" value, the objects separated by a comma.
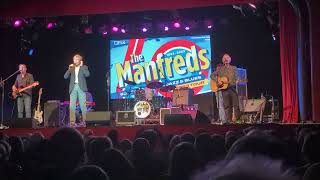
[{"x": 230, "y": 102}]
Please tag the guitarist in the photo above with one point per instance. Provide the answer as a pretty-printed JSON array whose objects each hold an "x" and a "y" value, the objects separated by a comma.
[
  {"x": 229, "y": 95},
  {"x": 24, "y": 101}
]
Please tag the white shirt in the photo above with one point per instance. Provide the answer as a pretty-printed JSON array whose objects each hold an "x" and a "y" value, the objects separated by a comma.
[{"x": 77, "y": 68}]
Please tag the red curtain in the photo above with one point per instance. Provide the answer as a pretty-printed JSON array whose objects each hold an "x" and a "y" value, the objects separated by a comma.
[{"x": 288, "y": 58}]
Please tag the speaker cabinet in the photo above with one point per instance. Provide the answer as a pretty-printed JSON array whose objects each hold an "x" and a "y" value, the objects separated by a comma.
[
  {"x": 98, "y": 118},
  {"x": 177, "y": 119},
  {"x": 125, "y": 118},
  {"x": 52, "y": 113}
]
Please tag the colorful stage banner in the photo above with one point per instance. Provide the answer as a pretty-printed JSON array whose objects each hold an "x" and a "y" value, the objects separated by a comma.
[{"x": 183, "y": 61}]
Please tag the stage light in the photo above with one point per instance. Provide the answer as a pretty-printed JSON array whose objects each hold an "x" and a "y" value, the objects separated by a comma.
[
  {"x": 274, "y": 37},
  {"x": 104, "y": 33},
  {"x": 17, "y": 23},
  {"x": 253, "y": 6},
  {"x": 176, "y": 25},
  {"x": 166, "y": 28},
  {"x": 144, "y": 29},
  {"x": 209, "y": 26},
  {"x": 51, "y": 25},
  {"x": 115, "y": 29},
  {"x": 30, "y": 52},
  {"x": 187, "y": 28},
  {"x": 123, "y": 30},
  {"x": 88, "y": 30}
]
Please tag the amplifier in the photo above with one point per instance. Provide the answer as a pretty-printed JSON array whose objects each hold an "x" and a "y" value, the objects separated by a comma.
[
  {"x": 125, "y": 118},
  {"x": 98, "y": 118}
]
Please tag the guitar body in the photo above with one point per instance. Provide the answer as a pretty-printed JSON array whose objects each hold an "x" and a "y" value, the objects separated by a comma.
[
  {"x": 222, "y": 83},
  {"x": 38, "y": 113},
  {"x": 17, "y": 92},
  {"x": 38, "y": 116}
]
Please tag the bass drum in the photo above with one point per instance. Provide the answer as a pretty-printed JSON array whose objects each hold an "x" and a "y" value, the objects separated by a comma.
[{"x": 142, "y": 109}]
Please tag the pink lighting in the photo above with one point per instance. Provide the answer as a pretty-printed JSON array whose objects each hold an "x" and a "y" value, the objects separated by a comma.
[
  {"x": 115, "y": 29},
  {"x": 253, "y": 6},
  {"x": 166, "y": 28},
  {"x": 144, "y": 29},
  {"x": 187, "y": 28},
  {"x": 209, "y": 26},
  {"x": 176, "y": 25},
  {"x": 17, "y": 23},
  {"x": 123, "y": 30},
  {"x": 50, "y": 25}
]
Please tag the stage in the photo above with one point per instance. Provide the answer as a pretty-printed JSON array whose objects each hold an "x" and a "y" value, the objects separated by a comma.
[{"x": 129, "y": 132}]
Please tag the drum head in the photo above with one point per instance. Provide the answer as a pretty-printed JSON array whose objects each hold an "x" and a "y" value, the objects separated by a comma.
[{"x": 142, "y": 109}]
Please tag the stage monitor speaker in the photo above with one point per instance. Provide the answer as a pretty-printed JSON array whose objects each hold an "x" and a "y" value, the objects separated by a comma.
[
  {"x": 21, "y": 123},
  {"x": 177, "y": 119},
  {"x": 98, "y": 118},
  {"x": 182, "y": 96},
  {"x": 125, "y": 118},
  {"x": 52, "y": 113},
  {"x": 201, "y": 118},
  {"x": 163, "y": 112}
]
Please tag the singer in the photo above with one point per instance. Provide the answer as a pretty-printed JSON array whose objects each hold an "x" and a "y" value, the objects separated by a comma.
[
  {"x": 229, "y": 95},
  {"x": 23, "y": 79},
  {"x": 77, "y": 72}
]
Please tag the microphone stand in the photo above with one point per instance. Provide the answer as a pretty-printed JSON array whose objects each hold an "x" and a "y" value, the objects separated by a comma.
[{"x": 2, "y": 83}]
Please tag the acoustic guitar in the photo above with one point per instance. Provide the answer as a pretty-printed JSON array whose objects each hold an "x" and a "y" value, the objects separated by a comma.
[
  {"x": 38, "y": 112},
  {"x": 16, "y": 93},
  {"x": 222, "y": 83}
]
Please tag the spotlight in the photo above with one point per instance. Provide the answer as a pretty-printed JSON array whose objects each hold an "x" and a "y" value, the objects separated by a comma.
[
  {"x": 166, "y": 28},
  {"x": 17, "y": 23},
  {"x": 176, "y": 25},
  {"x": 187, "y": 28},
  {"x": 274, "y": 37},
  {"x": 144, "y": 29},
  {"x": 115, "y": 29},
  {"x": 209, "y": 26},
  {"x": 88, "y": 30},
  {"x": 104, "y": 33},
  {"x": 253, "y": 6},
  {"x": 51, "y": 25},
  {"x": 123, "y": 30}
]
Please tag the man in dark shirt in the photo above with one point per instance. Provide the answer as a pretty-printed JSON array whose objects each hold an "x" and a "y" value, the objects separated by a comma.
[
  {"x": 23, "y": 102},
  {"x": 229, "y": 95}
]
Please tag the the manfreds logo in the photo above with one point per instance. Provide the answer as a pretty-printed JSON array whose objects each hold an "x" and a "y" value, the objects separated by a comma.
[{"x": 137, "y": 70}]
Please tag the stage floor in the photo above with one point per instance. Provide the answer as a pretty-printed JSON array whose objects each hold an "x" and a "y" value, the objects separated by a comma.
[{"x": 129, "y": 132}]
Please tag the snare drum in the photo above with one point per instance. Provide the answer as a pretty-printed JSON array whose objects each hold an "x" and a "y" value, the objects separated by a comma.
[{"x": 142, "y": 109}]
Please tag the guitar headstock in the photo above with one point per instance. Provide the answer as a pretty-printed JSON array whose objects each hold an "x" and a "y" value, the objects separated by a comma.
[
  {"x": 36, "y": 83},
  {"x": 40, "y": 91}
]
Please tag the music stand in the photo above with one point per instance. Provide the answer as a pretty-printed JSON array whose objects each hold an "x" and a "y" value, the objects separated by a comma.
[{"x": 2, "y": 83}]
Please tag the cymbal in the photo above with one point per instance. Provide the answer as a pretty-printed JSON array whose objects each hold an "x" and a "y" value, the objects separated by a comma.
[
  {"x": 167, "y": 88},
  {"x": 129, "y": 82},
  {"x": 154, "y": 85}
]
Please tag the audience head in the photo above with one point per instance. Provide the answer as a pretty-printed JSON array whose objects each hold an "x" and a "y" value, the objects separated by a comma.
[
  {"x": 125, "y": 145},
  {"x": 183, "y": 161},
  {"x": 152, "y": 137},
  {"x": 97, "y": 147},
  {"x": 188, "y": 137},
  {"x": 313, "y": 172},
  {"x": 175, "y": 140},
  {"x": 114, "y": 136},
  {"x": 311, "y": 148},
  {"x": 140, "y": 148},
  {"x": 89, "y": 172}
]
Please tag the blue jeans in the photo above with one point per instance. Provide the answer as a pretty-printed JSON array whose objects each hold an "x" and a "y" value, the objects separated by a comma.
[
  {"x": 77, "y": 93},
  {"x": 24, "y": 103},
  {"x": 220, "y": 105}
]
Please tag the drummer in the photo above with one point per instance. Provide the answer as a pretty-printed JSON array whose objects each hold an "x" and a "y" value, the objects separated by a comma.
[{"x": 149, "y": 92}]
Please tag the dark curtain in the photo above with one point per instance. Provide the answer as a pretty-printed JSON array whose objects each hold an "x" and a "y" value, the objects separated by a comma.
[{"x": 288, "y": 58}]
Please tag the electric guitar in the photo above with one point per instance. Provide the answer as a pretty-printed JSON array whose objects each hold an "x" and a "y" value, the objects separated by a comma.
[
  {"x": 38, "y": 112},
  {"x": 16, "y": 93}
]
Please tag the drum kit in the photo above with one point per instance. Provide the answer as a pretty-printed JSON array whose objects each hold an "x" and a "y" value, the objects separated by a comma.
[{"x": 146, "y": 103}]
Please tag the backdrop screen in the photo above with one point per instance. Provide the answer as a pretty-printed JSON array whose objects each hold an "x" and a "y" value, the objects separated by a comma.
[{"x": 183, "y": 61}]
